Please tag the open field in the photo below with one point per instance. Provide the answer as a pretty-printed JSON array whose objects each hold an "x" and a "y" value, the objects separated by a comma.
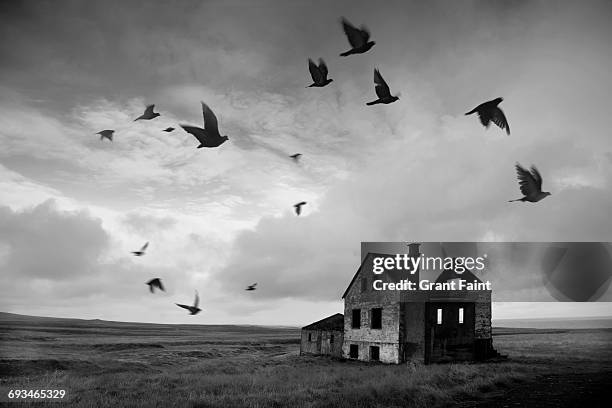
[{"x": 143, "y": 365}]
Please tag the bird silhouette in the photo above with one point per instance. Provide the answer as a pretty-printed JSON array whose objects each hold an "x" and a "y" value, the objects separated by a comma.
[
  {"x": 318, "y": 73},
  {"x": 296, "y": 157},
  {"x": 530, "y": 184},
  {"x": 155, "y": 283},
  {"x": 251, "y": 287},
  {"x": 192, "y": 309},
  {"x": 382, "y": 90},
  {"x": 209, "y": 136},
  {"x": 148, "y": 114},
  {"x": 142, "y": 250},
  {"x": 169, "y": 129},
  {"x": 357, "y": 37},
  {"x": 489, "y": 112},
  {"x": 298, "y": 207},
  {"x": 106, "y": 134}
]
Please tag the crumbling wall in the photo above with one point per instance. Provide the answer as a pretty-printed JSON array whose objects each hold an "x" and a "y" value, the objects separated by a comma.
[
  {"x": 312, "y": 346},
  {"x": 329, "y": 347},
  {"x": 387, "y": 337}
]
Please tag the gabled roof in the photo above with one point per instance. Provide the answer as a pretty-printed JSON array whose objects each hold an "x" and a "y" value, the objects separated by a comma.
[
  {"x": 365, "y": 260},
  {"x": 395, "y": 275},
  {"x": 333, "y": 322}
]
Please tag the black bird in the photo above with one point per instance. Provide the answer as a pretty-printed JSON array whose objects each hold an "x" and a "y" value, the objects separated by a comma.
[
  {"x": 209, "y": 136},
  {"x": 489, "y": 112},
  {"x": 148, "y": 114},
  {"x": 192, "y": 309},
  {"x": 170, "y": 129},
  {"x": 531, "y": 184},
  {"x": 296, "y": 157},
  {"x": 106, "y": 134},
  {"x": 382, "y": 90},
  {"x": 155, "y": 283},
  {"x": 357, "y": 37},
  {"x": 318, "y": 73},
  {"x": 142, "y": 250},
  {"x": 298, "y": 207},
  {"x": 251, "y": 287}
]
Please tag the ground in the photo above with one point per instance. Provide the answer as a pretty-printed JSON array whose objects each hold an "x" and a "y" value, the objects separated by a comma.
[{"x": 140, "y": 365}]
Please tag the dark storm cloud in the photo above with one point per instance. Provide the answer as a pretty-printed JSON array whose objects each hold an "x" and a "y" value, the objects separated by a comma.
[
  {"x": 53, "y": 259},
  {"x": 46, "y": 243}
]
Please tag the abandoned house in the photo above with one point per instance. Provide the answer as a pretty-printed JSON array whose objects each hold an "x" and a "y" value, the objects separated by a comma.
[
  {"x": 324, "y": 337},
  {"x": 394, "y": 326}
]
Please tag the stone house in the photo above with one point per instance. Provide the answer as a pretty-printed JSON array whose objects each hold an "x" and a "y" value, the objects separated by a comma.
[{"x": 426, "y": 326}]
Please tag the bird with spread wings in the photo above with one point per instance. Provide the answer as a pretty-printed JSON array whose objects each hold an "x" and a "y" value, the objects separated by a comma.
[
  {"x": 208, "y": 136},
  {"x": 318, "y": 73},
  {"x": 489, "y": 112},
  {"x": 142, "y": 250},
  {"x": 192, "y": 309},
  {"x": 148, "y": 114},
  {"x": 359, "y": 38},
  {"x": 530, "y": 184},
  {"x": 382, "y": 90},
  {"x": 155, "y": 283}
]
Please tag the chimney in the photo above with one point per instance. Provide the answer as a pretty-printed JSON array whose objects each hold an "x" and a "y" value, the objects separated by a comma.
[{"x": 413, "y": 252}]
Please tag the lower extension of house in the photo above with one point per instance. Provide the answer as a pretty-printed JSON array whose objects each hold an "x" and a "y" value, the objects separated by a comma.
[{"x": 402, "y": 326}]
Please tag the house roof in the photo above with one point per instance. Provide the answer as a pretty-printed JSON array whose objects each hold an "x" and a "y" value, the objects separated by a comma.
[
  {"x": 395, "y": 275},
  {"x": 333, "y": 322},
  {"x": 365, "y": 260}
]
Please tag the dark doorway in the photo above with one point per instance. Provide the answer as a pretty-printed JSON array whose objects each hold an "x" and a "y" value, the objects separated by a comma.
[
  {"x": 374, "y": 353},
  {"x": 449, "y": 331},
  {"x": 354, "y": 351}
]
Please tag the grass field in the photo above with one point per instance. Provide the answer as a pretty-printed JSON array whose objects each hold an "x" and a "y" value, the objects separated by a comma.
[{"x": 143, "y": 365}]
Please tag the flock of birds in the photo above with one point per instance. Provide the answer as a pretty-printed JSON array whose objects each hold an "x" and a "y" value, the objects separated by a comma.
[
  {"x": 156, "y": 283},
  {"x": 530, "y": 181}
]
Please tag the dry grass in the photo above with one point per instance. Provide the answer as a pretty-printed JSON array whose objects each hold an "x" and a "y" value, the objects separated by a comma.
[{"x": 224, "y": 366}]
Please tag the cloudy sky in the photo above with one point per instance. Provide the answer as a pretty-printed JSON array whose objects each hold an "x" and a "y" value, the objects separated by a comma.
[{"x": 72, "y": 207}]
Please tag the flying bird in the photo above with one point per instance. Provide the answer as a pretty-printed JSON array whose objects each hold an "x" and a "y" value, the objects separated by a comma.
[
  {"x": 142, "y": 250},
  {"x": 251, "y": 287},
  {"x": 192, "y": 309},
  {"x": 382, "y": 90},
  {"x": 155, "y": 283},
  {"x": 209, "y": 136},
  {"x": 148, "y": 114},
  {"x": 298, "y": 207},
  {"x": 489, "y": 112},
  {"x": 170, "y": 129},
  {"x": 318, "y": 73},
  {"x": 296, "y": 157},
  {"x": 106, "y": 134},
  {"x": 357, "y": 37},
  {"x": 530, "y": 184}
]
